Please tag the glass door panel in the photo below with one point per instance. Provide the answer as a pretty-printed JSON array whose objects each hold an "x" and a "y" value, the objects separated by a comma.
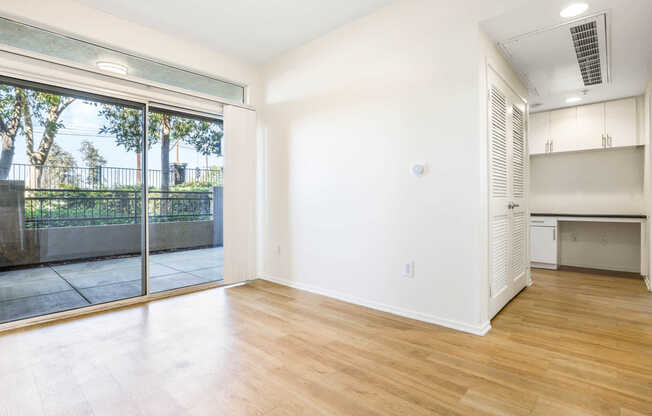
[
  {"x": 70, "y": 200},
  {"x": 185, "y": 200}
]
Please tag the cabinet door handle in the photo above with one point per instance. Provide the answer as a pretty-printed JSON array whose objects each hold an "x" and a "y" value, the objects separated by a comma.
[
  {"x": 604, "y": 141},
  {"x": 551, "y": 142},
  {"x": 609, "y": 140},
  {"x": 546, "y": 146},
  {"x": 554, "y": 234}
]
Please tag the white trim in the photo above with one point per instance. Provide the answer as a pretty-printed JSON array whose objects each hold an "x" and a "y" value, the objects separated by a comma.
[
  {"x": 448, "y": 323},
  {"x": 547, "y": 266},
  {"x": 121, "y": 84},
  {"x": 58, "y": 31},
  {"x": 127, "y": 77}
]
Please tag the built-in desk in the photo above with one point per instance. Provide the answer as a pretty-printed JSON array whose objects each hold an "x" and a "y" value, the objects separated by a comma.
[{"x": 544, "y": 232}]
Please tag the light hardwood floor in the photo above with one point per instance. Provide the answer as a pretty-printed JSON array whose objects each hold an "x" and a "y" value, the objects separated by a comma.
[{"x": 572, "y": 344}]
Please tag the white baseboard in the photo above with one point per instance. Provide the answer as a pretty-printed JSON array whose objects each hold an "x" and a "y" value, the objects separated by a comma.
[
  {"x": 548, "y": 266},
  {"x": 604, "y": 267},
  {"x": 448, "y": 323}
]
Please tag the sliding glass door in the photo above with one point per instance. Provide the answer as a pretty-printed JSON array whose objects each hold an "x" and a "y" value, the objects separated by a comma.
[
  {"x": 70, "y": 200},
  {"x": 185, "y": 199},
  {"x": 85, "y": 181}
]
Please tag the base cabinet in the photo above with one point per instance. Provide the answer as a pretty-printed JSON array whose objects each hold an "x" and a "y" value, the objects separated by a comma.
[{"x": 544, "y": 243}]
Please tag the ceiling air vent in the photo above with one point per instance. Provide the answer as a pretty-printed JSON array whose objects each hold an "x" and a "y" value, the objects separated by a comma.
[
  {"x": 564, "y": 58},
  {"x": 587, "y": 48}
]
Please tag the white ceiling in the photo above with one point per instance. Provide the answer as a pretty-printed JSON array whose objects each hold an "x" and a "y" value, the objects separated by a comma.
[
  {"x": 253, "y": 30},
  {"x": 630, "y": 36}
]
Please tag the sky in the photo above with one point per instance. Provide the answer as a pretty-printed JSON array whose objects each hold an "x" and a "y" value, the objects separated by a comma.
[{"x": 81, "y": 122}]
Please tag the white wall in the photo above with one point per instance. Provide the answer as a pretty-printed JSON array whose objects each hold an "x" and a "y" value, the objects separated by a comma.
[
  {"x": 71, "y": 17},
  {"x": 603, "y": 246},
  {"x": 591, "y": 182},
  {"x": 344, "y": 118}
]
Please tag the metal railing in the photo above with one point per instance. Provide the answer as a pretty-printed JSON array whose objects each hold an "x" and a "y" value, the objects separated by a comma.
[
  {"x": 106, "y": 176},
  {"x": 74, "y": 207}
]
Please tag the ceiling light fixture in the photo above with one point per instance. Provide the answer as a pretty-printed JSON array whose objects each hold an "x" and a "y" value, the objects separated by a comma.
[
  {"x": 571, "y": 100},
  {"x": 112, "y": 67},
  {"x": 574, "y": 9}
]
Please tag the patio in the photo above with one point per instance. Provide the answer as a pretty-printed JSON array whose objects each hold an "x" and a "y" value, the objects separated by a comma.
[{"x": 46, "y": 289}]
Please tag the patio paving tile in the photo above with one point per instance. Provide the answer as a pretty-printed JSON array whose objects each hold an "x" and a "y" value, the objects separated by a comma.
[
  {"x": 188, "y": 264},
  {"x": 130, "y": 273},
  {"x": 175, "y": 281},
  {"x": 13, "y": 277},
  {"x": 111, "y": 292},
  {"x": 21, "y": 283},
  {"x": 96, "y": 266},
  {"x": 211, "y": 273},
  {"x": 43, "y": 290},
  {"x": 12, "y": 310}
]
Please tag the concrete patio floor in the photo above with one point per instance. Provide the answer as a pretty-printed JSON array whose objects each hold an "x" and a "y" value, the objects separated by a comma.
[{"x": 46, "y": 289}]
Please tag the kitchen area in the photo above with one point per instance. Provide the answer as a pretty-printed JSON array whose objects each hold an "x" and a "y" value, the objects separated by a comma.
[
  {"x": 587, "y": 187},
  {"x": 588, "y": 75}
]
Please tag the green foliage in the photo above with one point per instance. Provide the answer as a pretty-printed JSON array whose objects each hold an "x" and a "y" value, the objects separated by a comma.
[
  {"x": 7, "y": 101},
  {"x": 63, "y": 164},
  {"x": 70, "y": 207},
  {"x": 91, "y": 155},
  {"x": 93, "y": 159},
  {"x": 126, "y": 124},
  {"x": 42, "y": 105},
  {"x": 192, "y": 187}
]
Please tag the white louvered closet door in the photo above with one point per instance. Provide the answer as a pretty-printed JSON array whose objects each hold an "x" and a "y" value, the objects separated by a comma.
[{"x": 508, "y": 167}]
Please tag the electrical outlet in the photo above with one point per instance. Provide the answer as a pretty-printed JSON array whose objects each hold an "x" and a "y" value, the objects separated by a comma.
[{"x": 408, "y": 270}]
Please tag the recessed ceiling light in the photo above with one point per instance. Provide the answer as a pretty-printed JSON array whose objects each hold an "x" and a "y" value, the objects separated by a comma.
[
  {"x": 571, "y": 100},
  {"x": 574, "y": 9},
  {"x": 112, "y": 67}
]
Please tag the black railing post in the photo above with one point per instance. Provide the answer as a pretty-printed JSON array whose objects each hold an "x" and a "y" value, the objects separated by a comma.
[{"x": 135, "y": 207}]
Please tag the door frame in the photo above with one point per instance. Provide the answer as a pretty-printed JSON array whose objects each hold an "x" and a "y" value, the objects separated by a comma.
[{"x": 56, "y": 75}]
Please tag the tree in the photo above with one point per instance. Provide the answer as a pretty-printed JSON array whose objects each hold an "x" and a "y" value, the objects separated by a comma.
[
  {"x": 61, "y": 165},
  {"x": 94, "y": 160},
  {"x": 47, "y": 108},
  {"x": 126, "y": 125},
  {"x": 11, "y": 112}
]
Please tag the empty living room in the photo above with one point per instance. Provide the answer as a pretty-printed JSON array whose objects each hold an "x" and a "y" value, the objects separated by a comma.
[{"x": 344, "y": 207}]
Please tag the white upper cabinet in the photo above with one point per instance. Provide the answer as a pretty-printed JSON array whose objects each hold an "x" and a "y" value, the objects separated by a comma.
[
  {"x": 621, "y": 127},
  {"x": 563, "y": 129},
  {"x": 539, "y": 132},
  {"x": 590, "y": 127},
  {"x": 594, "y": 126}
]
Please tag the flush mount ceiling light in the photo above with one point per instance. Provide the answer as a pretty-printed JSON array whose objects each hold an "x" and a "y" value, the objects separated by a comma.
[
  {"x": 112, "y": 67},
  {"x": 574, "y": 9},
  {"x": 574, "y": 99}
]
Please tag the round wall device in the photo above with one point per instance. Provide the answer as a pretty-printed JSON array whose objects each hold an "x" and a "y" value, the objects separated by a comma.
[{"x": 418, "y": 169}]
